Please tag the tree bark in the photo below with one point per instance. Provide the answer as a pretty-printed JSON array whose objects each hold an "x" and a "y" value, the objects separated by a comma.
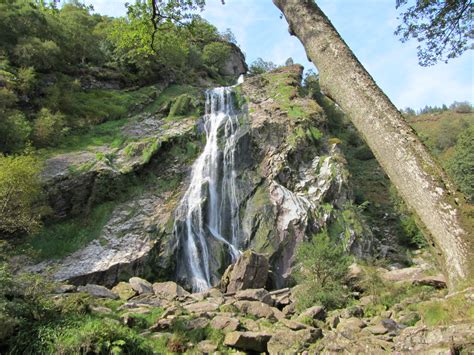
[{"x": 422, "y": 184}]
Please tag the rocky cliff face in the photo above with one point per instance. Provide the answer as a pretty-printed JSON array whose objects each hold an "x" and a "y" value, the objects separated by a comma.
[{"x": 291, "y": 183}]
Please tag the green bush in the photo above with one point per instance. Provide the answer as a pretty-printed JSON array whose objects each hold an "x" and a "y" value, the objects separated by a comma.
[
  {"x": 320, "y": 271},
  {"x": 14, "y": 132},
  {"x": 48, "y": 128},
  {"x": 31, "y": 51},
  {"x": 20, "y": 193}
]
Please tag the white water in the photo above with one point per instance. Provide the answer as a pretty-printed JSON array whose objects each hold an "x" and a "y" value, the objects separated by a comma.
[{"x": 209, "y": 209}]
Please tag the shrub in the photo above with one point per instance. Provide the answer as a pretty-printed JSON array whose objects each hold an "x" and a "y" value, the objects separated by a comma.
[
  {"x": 31, "y": 51},
  {"x": 26, "y": 80},
  {"x": 321, "y": 269},
  {"x": 14, "y": 132},
  {"x": 20, "y": 192},
  {"x": 48, "y": 128}
]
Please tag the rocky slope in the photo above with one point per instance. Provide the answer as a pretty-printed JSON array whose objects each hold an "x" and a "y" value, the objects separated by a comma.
[
  {"x": 290, "y": 176},
  {"x": 242, "y": 315}
]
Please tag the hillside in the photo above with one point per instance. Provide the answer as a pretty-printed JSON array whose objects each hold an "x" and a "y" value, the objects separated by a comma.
[{"x": 153, "y": 200}]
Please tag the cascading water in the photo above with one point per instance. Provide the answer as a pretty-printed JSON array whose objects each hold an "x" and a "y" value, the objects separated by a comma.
[{"x": 209, "y": 210}]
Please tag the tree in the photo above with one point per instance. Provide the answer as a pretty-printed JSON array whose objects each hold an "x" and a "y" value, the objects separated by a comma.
[
  {"x": 421, "y": 182},
  {"x": 260, "y": 66},
  {"x": 443, "y": 28},
  {"x": 321, "y": 269}
]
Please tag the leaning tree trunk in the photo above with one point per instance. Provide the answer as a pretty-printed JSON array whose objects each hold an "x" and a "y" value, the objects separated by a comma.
[{"x": 420, "y": 181}]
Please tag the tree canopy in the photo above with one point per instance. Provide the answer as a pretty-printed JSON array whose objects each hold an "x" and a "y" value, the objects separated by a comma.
[{"x": 443, "y": 28}]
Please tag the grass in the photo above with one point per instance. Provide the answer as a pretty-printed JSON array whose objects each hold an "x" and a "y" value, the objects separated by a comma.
[
  {"x": 446, "y": 311},
  {"x": 108, "y": 133},
  {"x": 61, "y": 239},
  {"x": 170, "y": 93}
]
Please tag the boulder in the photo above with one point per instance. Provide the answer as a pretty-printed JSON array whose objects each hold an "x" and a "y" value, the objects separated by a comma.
[
  {"x": 286, "y": 341},
  {"x": 226, "y": 324},
  {"x": 259, "y": 310},
  {"x": 249, "y": 271},
  {"x": 207, "y": 347},
  {"x": 196, "y": 323},
  {"x": 202, "y": 307},
  {"x": 259, "y": 294},
  {"x": 140, "y": 285},
  {"x": 97, "y": 291},
  {"x": 169, "y": 290},
  {"x": 124, "y": 290},
  {"x": 248, "y": 341},
  {"x": 315, "y": 312}
]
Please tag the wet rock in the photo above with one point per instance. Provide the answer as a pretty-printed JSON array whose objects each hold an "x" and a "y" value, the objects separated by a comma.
[
  {"x": 140, "y": 285},
  {"x": 226, "y": 324},
  {"x": 260, "y": 294},
  {"x": 248, "y": 341},
  {"x": 169, "y": 290},
  {"x": 97, "y": 291},
  {"x": 285, "y": 341},
  {"x": 250, "y": 271},
  {"x": 315, "y": 312},
  {"x": 124, "y": 290}
]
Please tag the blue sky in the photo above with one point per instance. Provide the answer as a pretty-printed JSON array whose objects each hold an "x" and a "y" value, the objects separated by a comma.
[{"x": 367, "y": 26}]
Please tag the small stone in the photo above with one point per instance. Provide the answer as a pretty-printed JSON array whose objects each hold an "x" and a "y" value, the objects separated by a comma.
[
  {"x": 124, "y": 290},
  {"x": 333, "y": 321},
  {"x": 287, "y": 341},
  {"x": 100, "y": 310},
  {"x": 366, "y": 300},
  {"x": 196, "y": 323},
  {"x": 248, "y": 341},
  {"x": 289, "y": 310},
  {"x": 65, "y": 289},
  {"x": 140, "y": 285},
  {"x": 97, "y": 291}
]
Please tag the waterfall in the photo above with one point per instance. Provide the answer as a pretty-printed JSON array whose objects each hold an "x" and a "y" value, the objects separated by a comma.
[{"x": 209, "y": 210}]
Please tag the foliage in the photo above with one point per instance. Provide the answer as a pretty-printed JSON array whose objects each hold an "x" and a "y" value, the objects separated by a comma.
[
  {"x": 321, "y": 269},
  {"x": 216, "y": 54},
  {"x": 461, "y": 164},
  {"x": 48, "y": 128},
  {"x": 58, "y": 240},
  {"x": 14, "y": 132},
  {"x": 260, "y": 66},
  {"x": 442, "y": 28},
  {"x": 20, "y": 192}
]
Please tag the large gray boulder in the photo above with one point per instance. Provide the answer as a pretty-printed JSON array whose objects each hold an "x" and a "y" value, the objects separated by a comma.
[
  {"x": 140, "y": 285},
  {"x": 250, "y": 271},
  {"x": 169, "y": 290}
]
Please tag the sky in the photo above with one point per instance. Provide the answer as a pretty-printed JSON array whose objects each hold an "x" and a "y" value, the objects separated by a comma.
[{"x": 367, "y": 26}]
